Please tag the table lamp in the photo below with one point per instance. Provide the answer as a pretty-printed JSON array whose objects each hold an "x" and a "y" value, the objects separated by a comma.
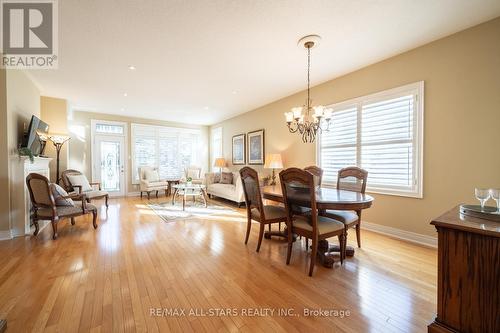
[
  {"x": 58, "y": 140},
  {"x": 273, "y": 161},
  {"x": 220, "y": 163}
]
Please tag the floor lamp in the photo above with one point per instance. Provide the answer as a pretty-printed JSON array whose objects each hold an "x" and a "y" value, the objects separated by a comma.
[{"x": 58, "y": 141}]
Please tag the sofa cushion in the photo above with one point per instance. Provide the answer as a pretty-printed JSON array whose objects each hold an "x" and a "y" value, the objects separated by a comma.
[
  {"x": 220, "y": 188},
  {"x": 226, "y": 178}
]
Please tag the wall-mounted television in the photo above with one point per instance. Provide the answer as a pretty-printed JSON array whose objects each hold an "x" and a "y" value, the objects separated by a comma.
[{"x": 31, "y": 138}]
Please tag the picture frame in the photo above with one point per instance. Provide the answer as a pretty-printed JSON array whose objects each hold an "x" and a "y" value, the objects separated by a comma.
[
  {"x": 238, "y": 149},
  {"x": 256, "y": 147}
]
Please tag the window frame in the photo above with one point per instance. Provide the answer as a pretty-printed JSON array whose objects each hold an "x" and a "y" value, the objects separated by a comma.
[
  {"x": 157, "y": 129},
  {"x": 212, "y": 157},
  {"x": 417, "y": 90}
]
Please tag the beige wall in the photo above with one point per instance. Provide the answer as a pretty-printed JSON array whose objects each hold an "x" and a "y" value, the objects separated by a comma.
[
  {"x": 462, "y": 122},
  {"x": 80, "y": 144},
  {"x": 4, "y": 155},
  {"x": 23, "y": 101},
  {"x": 54, "y": 111}
]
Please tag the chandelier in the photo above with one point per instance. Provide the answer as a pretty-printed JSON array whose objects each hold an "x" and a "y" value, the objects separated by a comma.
[{"x": 308, "y": 120}]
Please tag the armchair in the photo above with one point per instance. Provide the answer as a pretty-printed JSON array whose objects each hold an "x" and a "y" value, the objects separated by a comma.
[
  {"x": 150, "y": 181},
  {"x": 195, "y": 173},
  {"x": 45, "y": 208},
  {"x": 75, "y": 182}
]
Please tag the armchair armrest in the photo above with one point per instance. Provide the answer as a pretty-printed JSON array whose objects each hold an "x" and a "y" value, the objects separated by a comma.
[
  {"x": 78, "y": 188},
  {"x": 78, "y": 197},
  {"x": 96, "y": 183}
]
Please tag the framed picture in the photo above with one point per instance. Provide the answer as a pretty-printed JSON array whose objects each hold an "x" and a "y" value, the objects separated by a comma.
[
  {"x": 256, "y": 147},
  {"x": 239, "y": 149}
]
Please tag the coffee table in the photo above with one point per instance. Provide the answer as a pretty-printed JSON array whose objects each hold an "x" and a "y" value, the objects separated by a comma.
[{"x": 189, "y": 190}]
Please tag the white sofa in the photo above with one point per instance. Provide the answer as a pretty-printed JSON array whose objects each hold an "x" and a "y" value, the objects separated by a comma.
[{"x": 233, "y": 192}]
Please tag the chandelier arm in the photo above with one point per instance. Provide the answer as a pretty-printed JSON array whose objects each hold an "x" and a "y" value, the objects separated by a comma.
[{"x": 292, "y": 128}]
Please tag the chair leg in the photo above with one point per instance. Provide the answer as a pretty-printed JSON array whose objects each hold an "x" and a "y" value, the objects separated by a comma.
[
  {"x": 289, "y": 250},
  {"x": 94, "y": 218},
  {"x": 141, "y": 194},
  {"x": 54, "y": 229},
  {"x": 37, "y": 228},
  {"x": 358, "y": 233},
  {"x": 72, "y": 221},
  {"x": 261, "y": 234},
  {"x": 157, "y": 194},
  {"x": 107, "y": 197},
  {"x": 269, "y": 227},
  {"x": 307, "y": 244},
  {"x": 149, "y": 195},
  {"x": 313, "y": 254},
  {"x": 342, "y": 240},
  {"x": 249, "y": 226}
]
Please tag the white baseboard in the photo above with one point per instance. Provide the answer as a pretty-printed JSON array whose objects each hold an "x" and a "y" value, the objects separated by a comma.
[
  {"x": 5, "y": 235},
  {"x": 401, "y": 234}
]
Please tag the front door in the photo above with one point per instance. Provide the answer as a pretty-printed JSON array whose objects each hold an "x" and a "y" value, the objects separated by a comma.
[{"x": 109, "y": 163}]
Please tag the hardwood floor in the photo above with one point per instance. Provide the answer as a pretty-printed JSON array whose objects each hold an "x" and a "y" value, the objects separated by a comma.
[{"x": 113, "y": 278}]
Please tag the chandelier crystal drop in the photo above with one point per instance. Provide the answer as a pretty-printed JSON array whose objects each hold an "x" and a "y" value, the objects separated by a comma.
[{"x": 308, "y": 120}]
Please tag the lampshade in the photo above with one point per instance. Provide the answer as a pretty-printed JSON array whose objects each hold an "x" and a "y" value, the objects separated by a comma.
[
  {"x": 58, "y": 138},
  {"x": 273, "y": 161},
  {"x": 220, "y": 162}
]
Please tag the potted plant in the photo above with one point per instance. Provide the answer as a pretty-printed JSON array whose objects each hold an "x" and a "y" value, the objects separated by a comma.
[
  {"x": 189, "y": 181},
  {"x": 23, "y": 151}
]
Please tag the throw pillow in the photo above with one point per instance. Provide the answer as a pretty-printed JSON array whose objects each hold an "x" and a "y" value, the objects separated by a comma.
[
  {"x": 152, "y": 175},
  {"x": 226, "y": 178},
  {"x": 59, "y": 193},
  {"x": 217, "y": 178},
  {"x": 80, "y": 180}
]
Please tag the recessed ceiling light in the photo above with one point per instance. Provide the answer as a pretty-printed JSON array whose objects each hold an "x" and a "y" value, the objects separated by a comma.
[
  {"x": 206, "y": 107},
  {"x": 131, "y": 67},
  {"x": 234, "y": 92},
  {"x": 125, "y": 94},
  {"x": 122, "y": 109}
]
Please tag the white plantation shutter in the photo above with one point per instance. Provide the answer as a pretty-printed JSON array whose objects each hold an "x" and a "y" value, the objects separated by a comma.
[
  {"x": 215, "y": 145},
  {"x": 339, "y": 144},
  {"x": 381, "y": 133},
  {"x": 169, "y": 149}
]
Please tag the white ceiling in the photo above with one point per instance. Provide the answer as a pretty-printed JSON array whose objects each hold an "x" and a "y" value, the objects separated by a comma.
[{"x": 201, "y": 62}]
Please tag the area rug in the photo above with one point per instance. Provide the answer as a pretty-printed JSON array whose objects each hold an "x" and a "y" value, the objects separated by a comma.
[{"x": 197, "y": 210}]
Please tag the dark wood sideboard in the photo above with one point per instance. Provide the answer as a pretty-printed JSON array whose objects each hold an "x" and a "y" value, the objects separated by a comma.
[{"x": 468, "y": 274}]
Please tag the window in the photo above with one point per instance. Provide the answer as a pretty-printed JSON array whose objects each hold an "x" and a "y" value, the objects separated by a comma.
[
  {"x": 382, "y": 133},
  {"x": 215, "y": 145},
  {"x": 107, "y": 128},
  {"x": 167, "y": 148}
]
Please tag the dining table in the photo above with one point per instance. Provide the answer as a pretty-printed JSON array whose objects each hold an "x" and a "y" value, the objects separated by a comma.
[{"x": 326, "y": 198}]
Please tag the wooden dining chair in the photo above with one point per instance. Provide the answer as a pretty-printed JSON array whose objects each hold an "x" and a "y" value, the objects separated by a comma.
[
  {"x": 317, "y": 172},
  {"x": 45, "y": 208},
  {"x": 351, "y": 179},
  {"x": 256, "y": 210},
  {"x": 298, "y": 188}
]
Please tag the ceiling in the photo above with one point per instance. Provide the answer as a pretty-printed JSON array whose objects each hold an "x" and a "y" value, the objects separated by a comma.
[{"x": 201, "y": 62}]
